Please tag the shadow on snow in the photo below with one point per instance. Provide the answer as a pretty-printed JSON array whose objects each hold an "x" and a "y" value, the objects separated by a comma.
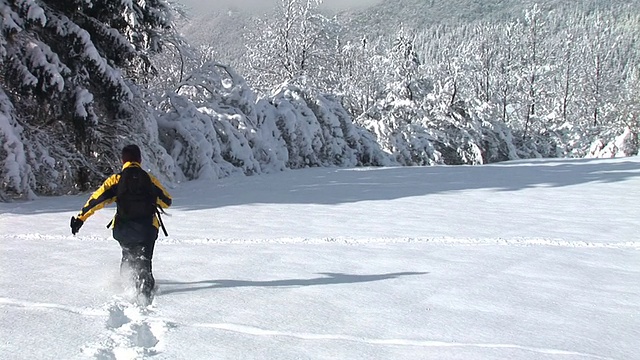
[
  {"x": 172, "y": 287},
  {"x": 339, "y": 185},
  {"x": 347, "y": 185}
]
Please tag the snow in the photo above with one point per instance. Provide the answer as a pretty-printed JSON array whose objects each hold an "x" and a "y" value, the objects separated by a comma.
[
  {"x": 66, "y": 28},
  {"x": 532, "y": 259},
  {"x": 15, "y": 174},
  {"x": 83, "y": 99},
  {"x": 34, "y": 12}
]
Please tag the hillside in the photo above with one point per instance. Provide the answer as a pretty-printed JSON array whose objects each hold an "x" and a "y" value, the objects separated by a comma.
[
  {"x": 417, "y": 14},
  {"x": 221, "y": 30},
  {"x": 224, "y": 29}
]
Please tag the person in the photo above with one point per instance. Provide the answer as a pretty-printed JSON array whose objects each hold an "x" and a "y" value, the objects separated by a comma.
[{"x": 138, "y": 196}]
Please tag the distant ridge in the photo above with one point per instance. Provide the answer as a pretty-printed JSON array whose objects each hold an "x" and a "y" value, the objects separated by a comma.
[
  {"x": 223, "y": 29},
  {"x": 417, "y": 14}
]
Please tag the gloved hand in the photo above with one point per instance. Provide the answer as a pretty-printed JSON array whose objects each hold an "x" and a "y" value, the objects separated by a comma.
[{"x": 76, "y": 224}]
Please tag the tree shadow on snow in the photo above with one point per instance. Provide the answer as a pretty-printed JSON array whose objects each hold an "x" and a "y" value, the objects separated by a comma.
[
  {"x": 347, "y": 185},
  {"x": 168, "y": 287}
]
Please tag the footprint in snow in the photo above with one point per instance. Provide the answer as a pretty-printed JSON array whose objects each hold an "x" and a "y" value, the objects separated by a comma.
[{"x": 132, "y": 332}]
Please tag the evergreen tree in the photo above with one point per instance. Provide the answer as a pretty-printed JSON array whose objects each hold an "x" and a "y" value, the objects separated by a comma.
[{"x": 67, "y": 79}]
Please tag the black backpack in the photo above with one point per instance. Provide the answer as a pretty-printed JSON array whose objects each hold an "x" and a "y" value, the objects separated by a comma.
[{"x": 135, "y": 197}]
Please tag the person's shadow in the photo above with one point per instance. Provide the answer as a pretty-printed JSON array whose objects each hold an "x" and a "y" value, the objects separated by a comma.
[{"x": 172, "y": 286}]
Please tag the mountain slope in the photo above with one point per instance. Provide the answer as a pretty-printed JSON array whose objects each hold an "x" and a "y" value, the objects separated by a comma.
[{"x": 418, "y": 14}]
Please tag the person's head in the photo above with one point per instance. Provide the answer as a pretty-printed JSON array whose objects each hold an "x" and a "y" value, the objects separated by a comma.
[{"x": 131, "y": 153}]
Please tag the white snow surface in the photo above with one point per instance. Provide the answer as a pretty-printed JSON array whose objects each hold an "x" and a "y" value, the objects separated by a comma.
[{"x": 536, "y": 259}]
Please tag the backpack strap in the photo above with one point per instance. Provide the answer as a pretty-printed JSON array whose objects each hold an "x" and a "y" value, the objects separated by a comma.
[{"x": 164, "y": 230}]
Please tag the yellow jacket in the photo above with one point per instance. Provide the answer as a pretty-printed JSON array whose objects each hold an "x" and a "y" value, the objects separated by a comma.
[{"x": 106, "y": 195}]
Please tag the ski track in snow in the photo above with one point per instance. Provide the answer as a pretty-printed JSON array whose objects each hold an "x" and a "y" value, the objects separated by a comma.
[
  {"x": 447, "y": 241},
  {"x": 134, "y": 332},
  {"x": 427, "y": 241},
  {"x": 48, "y": 306},
  {"x": 248, "y": 330}
]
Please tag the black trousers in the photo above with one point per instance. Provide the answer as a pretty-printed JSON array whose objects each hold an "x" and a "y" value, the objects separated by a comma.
[
  {"x": 137, "y": 239},
  {"x": 136, "y": 266}
]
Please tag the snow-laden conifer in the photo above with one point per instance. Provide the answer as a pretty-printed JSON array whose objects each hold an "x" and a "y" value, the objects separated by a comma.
[{"x": 67, "y": 77}]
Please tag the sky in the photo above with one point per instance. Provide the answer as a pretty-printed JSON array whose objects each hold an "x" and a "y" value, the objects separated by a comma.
[
  {"x": 535, "y": 259},
  {"x": 254, "y": 4}
]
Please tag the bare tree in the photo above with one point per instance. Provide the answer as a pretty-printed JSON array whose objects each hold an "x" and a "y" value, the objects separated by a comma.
[{"x": 295, "y": 42}]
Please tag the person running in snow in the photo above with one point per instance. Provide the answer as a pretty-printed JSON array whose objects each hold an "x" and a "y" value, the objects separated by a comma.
[{"x": 138, "y": 196}]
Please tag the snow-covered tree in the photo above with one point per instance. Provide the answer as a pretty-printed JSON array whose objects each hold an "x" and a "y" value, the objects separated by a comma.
[
  {"x": 67, "y": 76},
  {"x": 75, "y": 86},
  {"x": 296, "y": 41},
  {"x": 16, "y": 176},
  {"x": 216, "y": 125},
  {"x": 532, "y": 55}
]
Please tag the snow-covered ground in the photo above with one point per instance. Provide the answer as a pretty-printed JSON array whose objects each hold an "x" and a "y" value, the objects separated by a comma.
[{"x": 522, "y": 260}]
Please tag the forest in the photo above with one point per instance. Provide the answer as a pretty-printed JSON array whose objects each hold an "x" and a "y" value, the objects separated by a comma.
[{"x": 299, "y": 87}]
